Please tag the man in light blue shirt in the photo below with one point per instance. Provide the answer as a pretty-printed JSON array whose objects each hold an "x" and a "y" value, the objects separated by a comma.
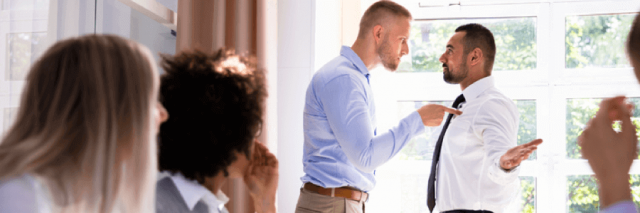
[{"x": 342, "y": 146}]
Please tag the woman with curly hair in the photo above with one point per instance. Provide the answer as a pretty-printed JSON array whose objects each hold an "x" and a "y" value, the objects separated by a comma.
[
  {"x": 216, "y": 106},
  {"x": 83, "y": 139}
]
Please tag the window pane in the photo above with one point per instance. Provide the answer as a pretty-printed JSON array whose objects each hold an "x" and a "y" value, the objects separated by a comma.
[
  {"x": 515, "y": 43},
  {"x": 579, "y": 112},
  {"x": 528, "y": 194},
  {"x": 421, "y": 147},
  {"x": 23, "y": 49},
  {"x": 527, "y": 129},
  {"x": 583, "y": 193},
  {"x": 597, "y": 41}
]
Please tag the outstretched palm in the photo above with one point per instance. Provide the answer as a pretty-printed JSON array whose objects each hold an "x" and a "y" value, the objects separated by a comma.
[{"x": 517, "y": 154}]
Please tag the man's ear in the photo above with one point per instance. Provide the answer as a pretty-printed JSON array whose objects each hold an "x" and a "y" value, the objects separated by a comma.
[
  {"x": 377, "y": 33},
  {"x": 476, "y": 56}
]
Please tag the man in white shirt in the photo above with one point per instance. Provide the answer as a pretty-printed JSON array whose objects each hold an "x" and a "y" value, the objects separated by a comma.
[{"x": 475, "y": 164}]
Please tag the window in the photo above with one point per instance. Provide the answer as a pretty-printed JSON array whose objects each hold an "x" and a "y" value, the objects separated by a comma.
[
  {"x": 556, "y": 60},
  {"x": 22, "y": 50},
  {"x": 597, "y": 40},
  {"x": 516, "y": 36},
  {"x": 24, "y": 37}
]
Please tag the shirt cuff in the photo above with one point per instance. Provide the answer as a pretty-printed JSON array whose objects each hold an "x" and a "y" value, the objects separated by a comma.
[
  {"x": 621, "y": 207},
  {"x": 417, "y": 127},
  {"x": 500, "y": 176}
]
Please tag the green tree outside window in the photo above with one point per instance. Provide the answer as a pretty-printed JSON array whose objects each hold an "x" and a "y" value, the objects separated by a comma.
[{"x": 515, "y": 39}]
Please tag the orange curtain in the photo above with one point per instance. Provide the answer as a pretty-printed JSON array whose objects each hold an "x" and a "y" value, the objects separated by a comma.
[{"x": 200, "y": 26}]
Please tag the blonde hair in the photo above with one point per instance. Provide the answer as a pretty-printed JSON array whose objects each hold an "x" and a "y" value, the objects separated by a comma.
[{"x": 84, "y": 126}]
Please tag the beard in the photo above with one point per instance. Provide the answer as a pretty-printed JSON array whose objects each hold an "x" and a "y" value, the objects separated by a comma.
[
  {"x": 453, "y": 77},
  {"x": 387, "y": 57}
]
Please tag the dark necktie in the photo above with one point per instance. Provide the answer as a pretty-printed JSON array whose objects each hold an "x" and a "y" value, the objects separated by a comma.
[{"x": 431, "y": 191}]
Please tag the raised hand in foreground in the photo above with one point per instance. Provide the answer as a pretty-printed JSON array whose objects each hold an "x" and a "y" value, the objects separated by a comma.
[
  {"x": 262, "y": 179},
  {"x": 610, "y": 153}
]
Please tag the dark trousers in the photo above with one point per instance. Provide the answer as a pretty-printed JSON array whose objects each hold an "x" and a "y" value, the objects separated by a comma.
[{"x": 468, "y": 211}]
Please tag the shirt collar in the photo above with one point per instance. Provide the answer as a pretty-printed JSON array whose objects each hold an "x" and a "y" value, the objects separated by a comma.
[
  {"x": 192, "y": 192},
  {"x": 220, "y": 199},
  {"x": 348, "y": 53},
  {"x": 476, "y": 88}
]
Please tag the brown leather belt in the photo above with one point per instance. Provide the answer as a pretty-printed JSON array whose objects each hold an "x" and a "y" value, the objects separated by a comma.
[{"x": 345, "y": 192}]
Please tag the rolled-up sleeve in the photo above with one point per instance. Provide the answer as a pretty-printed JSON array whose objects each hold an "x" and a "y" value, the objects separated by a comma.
[
  {"x": 497, "y": 124},
  {"x": 345, "y": 104}
]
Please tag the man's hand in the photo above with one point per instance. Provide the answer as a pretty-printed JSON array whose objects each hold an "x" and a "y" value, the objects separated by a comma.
[
  {"x": 610, "y": 153},
  {"x": 517, "y": 154},
  {"x": 262, "y": 179},
  {"x": 432, "y": 114}
]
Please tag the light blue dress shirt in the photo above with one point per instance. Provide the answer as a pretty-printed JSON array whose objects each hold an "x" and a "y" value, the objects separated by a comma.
[
  {"x": 621, "y": 207},
  {"x": 342, "y": 146}
]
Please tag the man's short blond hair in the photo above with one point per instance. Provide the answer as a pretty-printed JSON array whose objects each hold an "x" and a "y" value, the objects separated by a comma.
[{"x": 378, "y": 12}]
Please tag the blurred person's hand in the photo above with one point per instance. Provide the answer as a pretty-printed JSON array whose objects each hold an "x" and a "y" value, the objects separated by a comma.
[
  {"x": 610, "y": 153},
  {"x": 262, "y": 179},
  {"x": 516, "y": 155},
  {"x": 433, "y": 114}
]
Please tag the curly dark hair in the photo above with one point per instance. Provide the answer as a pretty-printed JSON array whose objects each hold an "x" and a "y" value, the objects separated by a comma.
[{"x": 215, "y": 105}]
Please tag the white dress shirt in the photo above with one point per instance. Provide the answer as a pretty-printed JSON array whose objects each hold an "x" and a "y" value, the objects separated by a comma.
[
  {"x": 192, "y": 192},
  {"x": 469, "y": 174}
]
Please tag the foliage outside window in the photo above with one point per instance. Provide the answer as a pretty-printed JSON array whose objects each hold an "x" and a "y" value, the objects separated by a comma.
[
  {"x": 597, "y": 41},
  {"x": 516, "y": 43},
  {"x": 583, "y": 196},
  {"x": 579, "y": 112},
  {"x": 23, "y": 49}
]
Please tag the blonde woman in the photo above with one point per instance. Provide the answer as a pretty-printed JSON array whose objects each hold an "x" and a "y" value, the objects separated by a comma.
[{"x": 83, "y": 139}]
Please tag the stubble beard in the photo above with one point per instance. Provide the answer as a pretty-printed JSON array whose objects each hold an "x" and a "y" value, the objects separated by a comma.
[
  {"x": 451, "y": 78},
  {"x": 386, "y": 56}
]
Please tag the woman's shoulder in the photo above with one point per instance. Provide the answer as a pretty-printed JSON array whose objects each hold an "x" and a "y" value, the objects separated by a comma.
[{"x": 20, "y": 194}]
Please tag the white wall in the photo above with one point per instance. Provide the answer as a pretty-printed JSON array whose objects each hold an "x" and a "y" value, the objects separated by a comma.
[
  {"x": 310, "y": 33},
  {"x": 295, "y": 67}
]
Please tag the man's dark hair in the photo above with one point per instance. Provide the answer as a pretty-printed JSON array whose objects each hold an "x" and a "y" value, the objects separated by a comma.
[
  {"x": 215, "y": 105},
  {"x": 378, "y": 12},
  {"x": 478, "y": 36}
]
